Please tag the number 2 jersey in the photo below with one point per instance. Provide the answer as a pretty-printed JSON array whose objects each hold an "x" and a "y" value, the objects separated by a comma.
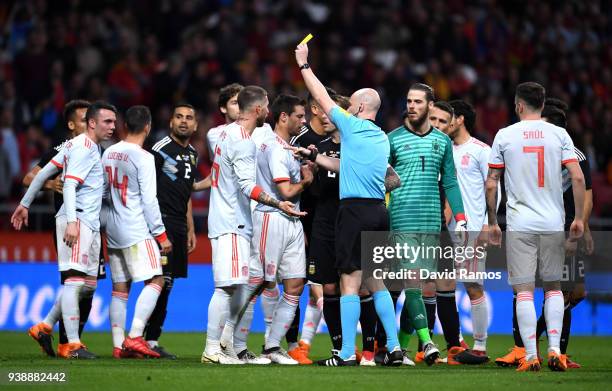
[
  {"x": 175, "y": 166},
  {"x": 132, "y": 213},
  {"x": 532, "y": 154},
  {"x": 233, "y": 183}
]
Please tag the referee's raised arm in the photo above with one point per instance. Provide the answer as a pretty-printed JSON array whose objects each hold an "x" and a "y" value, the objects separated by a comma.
[
  {"x": 316, "y": 88},
  {"x": 363, "y": 166}
]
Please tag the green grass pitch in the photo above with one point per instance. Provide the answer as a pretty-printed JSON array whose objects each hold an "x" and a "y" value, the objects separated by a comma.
[{"x": 18, "y": 352}]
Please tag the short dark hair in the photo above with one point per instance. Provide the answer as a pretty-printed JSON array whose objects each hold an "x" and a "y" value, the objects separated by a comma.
[
  {"x": 285, "y": 104},
  {"x": 532, "y": 93},
  {"x": 444, "y": 106},
  {"x": 137, "y": 118},
  {"x": 250, "y": 95},
  {"x": 554, "y": 115},
  {"x": 429, "y": 92},
  {"x": 226, "y": 93},
  {"x": 330, "y": 91},
  {"x": 183, "y": 104},
  {"x": 465, "y": 110},
  {"x": 71, "y": 107},
  {"x": 342, "y": 101},
  {"x": 94, "y": 109},
  {"x": 558, "y": 103}
]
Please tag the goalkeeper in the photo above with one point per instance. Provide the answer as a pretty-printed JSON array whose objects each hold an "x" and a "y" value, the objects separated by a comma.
[{"x": 421, "y": 155}]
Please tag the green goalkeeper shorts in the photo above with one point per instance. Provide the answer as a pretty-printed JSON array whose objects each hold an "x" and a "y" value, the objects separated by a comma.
[{"x": 418, "y": 250}]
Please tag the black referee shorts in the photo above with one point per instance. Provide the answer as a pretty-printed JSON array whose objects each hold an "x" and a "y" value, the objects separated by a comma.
[
  {"x": 175, "y": 264},
  {"x": 321, "y": 266},
  {"x": 354, "y": 216}
]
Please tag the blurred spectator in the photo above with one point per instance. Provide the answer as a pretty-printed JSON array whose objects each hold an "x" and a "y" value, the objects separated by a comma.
[{"x": 161, "y": 52}]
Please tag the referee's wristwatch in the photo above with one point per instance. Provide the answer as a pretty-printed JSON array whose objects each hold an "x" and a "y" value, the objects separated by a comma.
[{"x": 304, "y": 66}]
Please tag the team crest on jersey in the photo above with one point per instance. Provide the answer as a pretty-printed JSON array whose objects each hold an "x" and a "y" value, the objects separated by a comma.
[
  {"x": 84, "y": 259},
  {"x": 271, "y": 269},
  {"x": 435, "y": 146},
  {"x": 406, "y": 147},
  {"x": 465, "y": 160},
  {"x": 193, "y": 160},
  {"x": 245, "y": 271}
]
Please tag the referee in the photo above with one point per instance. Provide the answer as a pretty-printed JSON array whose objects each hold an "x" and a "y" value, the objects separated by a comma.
[
  {"x": 363, "y": 167},
  {"x": 175, "y": 164}
]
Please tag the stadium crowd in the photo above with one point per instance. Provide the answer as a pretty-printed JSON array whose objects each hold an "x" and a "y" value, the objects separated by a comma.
[{"x": 158, "y": 53}]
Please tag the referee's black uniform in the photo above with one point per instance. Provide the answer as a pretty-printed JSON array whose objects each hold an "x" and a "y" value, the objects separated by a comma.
[{"x": 175, "y": 167}]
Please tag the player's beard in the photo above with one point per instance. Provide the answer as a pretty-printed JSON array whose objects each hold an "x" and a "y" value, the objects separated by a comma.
[
  {"x": 260, "y": 121},
  {"x": 417, "y": 123},
  {"x": 182, "y": 136}
]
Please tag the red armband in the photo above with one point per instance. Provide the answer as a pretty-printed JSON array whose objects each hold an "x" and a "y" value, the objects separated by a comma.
[
  {"x": 460, "y": 217},
  {"x": 161, "y": 237},
  {"x": 256, "y": 192}
]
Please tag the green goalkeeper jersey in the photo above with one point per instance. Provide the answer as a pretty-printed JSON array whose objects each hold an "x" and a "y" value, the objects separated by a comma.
[{"x": 422, "y": 161}]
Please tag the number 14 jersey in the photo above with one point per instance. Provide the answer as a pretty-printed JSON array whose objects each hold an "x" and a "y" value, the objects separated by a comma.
[
  {"x": 132, "y": 214},
  {"x": 532, "y": 154}
]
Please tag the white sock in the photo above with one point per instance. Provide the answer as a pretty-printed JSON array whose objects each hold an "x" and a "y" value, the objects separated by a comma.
[
  {"x": 153, "y": 344},
  {"x": 553, "y": 313},
  {"x": 70, "y": 307},
  {"x": 218, "y": 308},
  {"x": 241, "y": 332},
  {"x": 238, "y": 303},
  {"x": 118, "y": 312},
  {"x": 527, "y": 321},
  {"x": 312, "y": 317},
  {"x": 55, "y": 312},
  {"x": 283, "y": 317},
  {"x": 480, "y": 322},
  {"x": 144, "y": 308},
  {"x": 269, "y": 299}
]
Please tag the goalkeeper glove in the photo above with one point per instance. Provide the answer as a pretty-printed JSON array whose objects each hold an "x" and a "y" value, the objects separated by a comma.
[{"x": 461, "y": 228}]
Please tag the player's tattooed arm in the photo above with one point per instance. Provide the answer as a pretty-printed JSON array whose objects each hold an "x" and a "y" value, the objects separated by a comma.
[
  {"x": 285, "y": 206},
  {"x": 392, "y": 180},
  {"x": 491, "y": 185},
  {"x": 266, "y": 199}
]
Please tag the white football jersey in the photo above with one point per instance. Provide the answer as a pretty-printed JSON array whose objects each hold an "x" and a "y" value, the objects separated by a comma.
[
  {"x": 233, "y": 183},
  {"x": 472, "y": 165},
  {"x": 533, "y": 153},
  {"x": 276, "y": 164},
  {"x": 133, "y": 213},
  {"x": 258, "y": 135},
  {"x": 80, "y": 161}
]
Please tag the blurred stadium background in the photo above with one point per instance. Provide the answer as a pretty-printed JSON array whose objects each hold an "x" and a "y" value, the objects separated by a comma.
[{"x": 159, "y": 52}]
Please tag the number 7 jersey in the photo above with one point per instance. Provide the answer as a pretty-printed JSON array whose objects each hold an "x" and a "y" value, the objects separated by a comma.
[
  {"x": 132, "y": 211},
  {"x": 532, "y": 154}
]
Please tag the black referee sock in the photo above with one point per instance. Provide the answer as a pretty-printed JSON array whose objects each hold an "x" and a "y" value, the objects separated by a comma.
[
  {"x": 381, "y": 336},
  {"x": 294, "y": 329},
  {"x": 449, "y": 317},
  {"x": 156, "y": 321},
  {"x": 516, "y": 332},
  {"x": 331, "y": 312},
  {"x": 368, "y": 320}
]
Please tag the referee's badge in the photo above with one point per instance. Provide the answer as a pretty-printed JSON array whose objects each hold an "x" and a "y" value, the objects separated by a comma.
[{"x": 164, "y": 260}]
